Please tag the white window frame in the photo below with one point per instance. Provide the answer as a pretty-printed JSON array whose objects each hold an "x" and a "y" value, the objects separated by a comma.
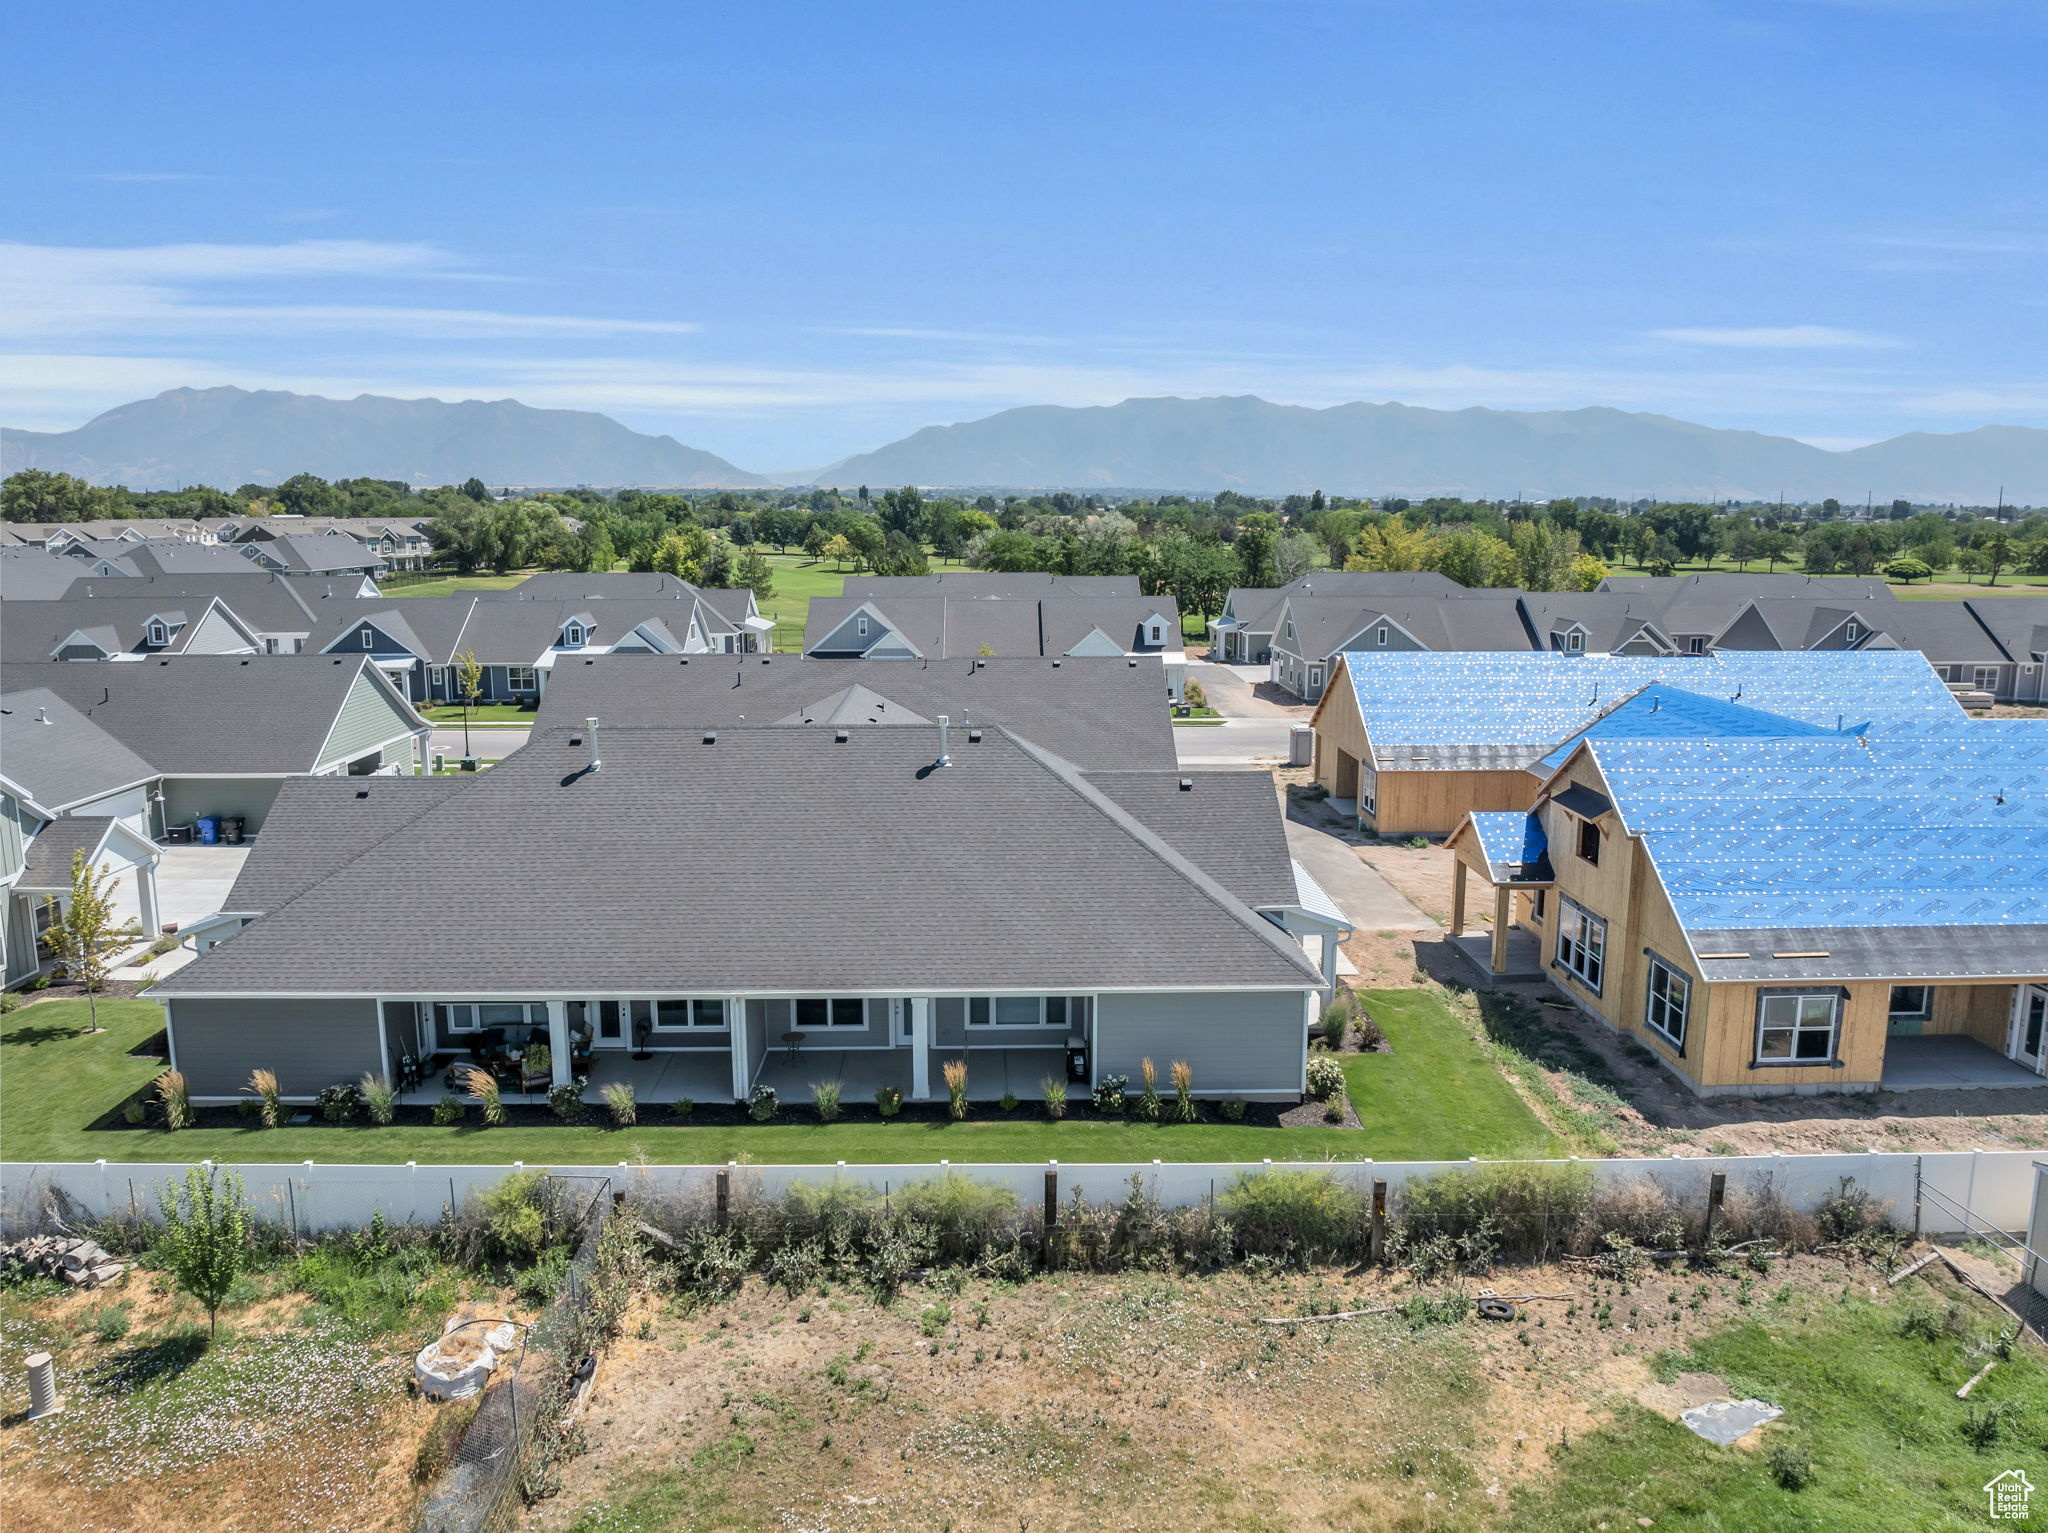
[
  {"x": 369, "y": 639},
  {"x": 1852, "y": 630},
  {"x": 695, "y": 1009},
  {"x": 1696, "y": 645},
  {"x": 1575, "y": 642},
  {"x": 1581, "y": 948},
  {"x": 1771, "y": 1017},
  {"x": 512, "y": 674},
  {"x": 1290, "y": 628},
  {"x": 1922, "y": 1012},
  {"x": 1157, "y": 631},
  {"x": 1380, "y": 636},
  {"x": 1667, "y": 1002},
  {"x": 437, "y": 679},
  {"x": 1985, "y": 678},
  {"x": 159, "y": 634},
  {"x": 463, "y": 1016},
  {"x": 1315, "y": 676},
  {"x": 860, "y": 626},
  {"x": 574, "y": 634}
]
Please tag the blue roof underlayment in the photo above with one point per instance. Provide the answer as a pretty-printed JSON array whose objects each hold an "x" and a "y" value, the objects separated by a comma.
[
  {"x": 1510, "y": 840},
  {"x": 1670, "y": 713},
  {"x": 1541, "y": 698},
  {"x": 1872, "y": 831}
]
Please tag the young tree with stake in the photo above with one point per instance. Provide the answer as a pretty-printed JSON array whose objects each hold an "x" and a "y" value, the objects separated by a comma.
[
  {"x": 205, "y": 1244},
  {"x": 83, "y": 933}
]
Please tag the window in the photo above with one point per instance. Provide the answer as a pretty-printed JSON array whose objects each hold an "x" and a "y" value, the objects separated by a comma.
[
  {"x": 574, "y": 633},
  {"x": 1670, "y": 998},
  {"x": 1852, "y": 631},
  {"x": 270, "y": 644},
  {"x": 158, "y": 634},
  {"x": 1158, "y": 633},
  {"x": 861, "y": 625},
  {"x": 1290, "y": 628},
  {"x": 1315, "y": 676},
  {"x": 1696, "y": 645},
  {"x": 1026, "y": 1010},
  {"x": 520, "y": 678},
  {"x": 1987, "y": 678},
  {"x": 1368, "y": 792},
  {"x": 672, "y": 1016},
  {"x": 837, "y": 1011},
  {"x": 368, "y": 639},
  {"x": 1912, "y": 1001},
  {"x": 1589, "y": 842},
  {"x": 437, "y": 680},
  {"x": 1380, "y": 638},
  {"x": 1581, "y": 942},
  {"x": 1797, "y": 1029},
  {"x": 1575, "y": 641},
  {"x": 472, "y": 1016}
]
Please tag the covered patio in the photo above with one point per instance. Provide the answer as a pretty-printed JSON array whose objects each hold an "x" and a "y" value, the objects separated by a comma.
[{"x": 1951, "y": 1062}]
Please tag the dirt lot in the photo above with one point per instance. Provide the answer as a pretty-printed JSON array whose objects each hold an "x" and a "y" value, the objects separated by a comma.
[
  {"x": 1079, "y": 1402},
  {"x": 291, "y": 1420}
]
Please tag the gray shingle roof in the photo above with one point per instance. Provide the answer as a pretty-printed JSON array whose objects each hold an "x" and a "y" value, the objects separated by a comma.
[
  {"x": 30, "y": 574},
  {"x": 66, "y": 761},
  {"x": 319, "y": 824},
  {"x": 204, "y": 715},
  {"x": 48, "y": 862},
  {"x": 1094, "y": 713},
  {"x": 1225, "y": 822},
  {"x": 1903, "y": 953},
  {"x": 774, "y": 860}
]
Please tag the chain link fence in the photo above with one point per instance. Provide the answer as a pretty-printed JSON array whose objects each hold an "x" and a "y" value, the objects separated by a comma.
[{"x": 516, "y": 1436}]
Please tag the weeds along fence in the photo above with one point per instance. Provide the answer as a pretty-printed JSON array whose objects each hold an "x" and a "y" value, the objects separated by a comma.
[
  {"x": 310, "y": 1198},
  {"x": 515, "y": 1437}
]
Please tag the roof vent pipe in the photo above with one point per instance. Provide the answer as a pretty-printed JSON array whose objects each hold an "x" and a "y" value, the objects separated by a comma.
[
  {"x": 944, "y": 759},
  {"x": 596, "y": 760}
]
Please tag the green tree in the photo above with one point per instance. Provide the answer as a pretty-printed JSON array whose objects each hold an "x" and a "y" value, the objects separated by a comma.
[
  {"x": 476, "y": 490},
  {"x": 1907, "y": 568},
  {"x": 469, "y": 681},
  {"x": 837, "y": 549},
  {"x": 1389, "y": 544},
  {"x": 309, "y": 495},
  {"x": 1474, "y": 558},
  {"x": 682, "y": 553},
  {"x": 34, "y": 495},
  {"x": 83, "y": 934},
  {"x": 756, "y": 574},
  {"x": 205, "y": 1239},
  {"x": 1257, "y": 536},
  {"x": 1994, "y": 543},
  {"x": 817, "y": 539}
]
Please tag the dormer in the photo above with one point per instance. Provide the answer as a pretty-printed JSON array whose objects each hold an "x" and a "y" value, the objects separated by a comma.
[
  {"x": 577, "y": 631},
  {"x": 1853, "y": 632},
  {"x": 1571, "y": 640},
  {"x": 1154, "y": 630},
  {"x": 158, "y": 630}
]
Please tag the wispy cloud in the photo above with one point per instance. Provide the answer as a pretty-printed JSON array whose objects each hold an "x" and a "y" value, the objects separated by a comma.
[
  {"x": 204, "y": 289},
  {"x": 1777, "y": 338}
]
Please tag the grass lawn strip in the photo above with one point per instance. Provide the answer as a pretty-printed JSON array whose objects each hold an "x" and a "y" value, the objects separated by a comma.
[{"x": 1437, "y": 1096}]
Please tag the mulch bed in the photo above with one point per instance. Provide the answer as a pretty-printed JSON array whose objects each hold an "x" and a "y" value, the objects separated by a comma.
[
  {"x": 112, "y": 990},
  {"x": 1309, "y": 1114}
]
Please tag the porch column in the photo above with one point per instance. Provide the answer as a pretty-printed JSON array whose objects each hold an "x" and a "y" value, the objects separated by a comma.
[
  {"x": 1330, "y": 944},
  {"x": 742, "y": 1052},
  {"x": 1458, "y": 875},
  {"x": 145, "y": 896},
  {"x": 920, "y": 1047},
  {"x": 1503, "y": 904},
  {"x": 558, "y": 1041}
]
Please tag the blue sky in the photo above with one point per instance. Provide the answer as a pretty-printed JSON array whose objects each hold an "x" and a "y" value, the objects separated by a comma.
[{"x": 789, "y": 232}]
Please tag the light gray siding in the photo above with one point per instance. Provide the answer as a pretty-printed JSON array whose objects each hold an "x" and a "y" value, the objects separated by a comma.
[
  {"x": 369, "y": 717},
  {"x": 186, "y": 798},
  {"x": 1238, "y": 1042},
  {"x": 16, "y": 826},
  {"x": 310, "y": 1044},
  {"x": 216, "y": 635}
]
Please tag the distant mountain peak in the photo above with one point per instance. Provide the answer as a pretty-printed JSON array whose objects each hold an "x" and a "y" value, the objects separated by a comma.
[{"x": 227, "y": 436}]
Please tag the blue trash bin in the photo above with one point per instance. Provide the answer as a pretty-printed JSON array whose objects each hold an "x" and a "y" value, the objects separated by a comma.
[{"x": 209, "y": 830}]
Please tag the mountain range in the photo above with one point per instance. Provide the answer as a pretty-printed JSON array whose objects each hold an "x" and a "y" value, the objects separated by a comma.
[{"x": 230, "y": 436}]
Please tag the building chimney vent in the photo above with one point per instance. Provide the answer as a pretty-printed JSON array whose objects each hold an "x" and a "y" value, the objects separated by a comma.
[
  {"x": 596, "y": 759},
  {"x": 840, "y": 736},
  {"x": 945, "y": 724},
  {"x": 710, "y": 737},
  {"x": 1187, "y": 785}
]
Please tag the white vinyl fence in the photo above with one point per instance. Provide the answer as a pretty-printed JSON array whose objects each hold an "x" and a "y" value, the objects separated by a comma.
[{"x": 1996, "y": 1186}]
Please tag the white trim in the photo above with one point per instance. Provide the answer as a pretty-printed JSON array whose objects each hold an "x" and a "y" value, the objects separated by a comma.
[{"x": 1307, "y": 984}]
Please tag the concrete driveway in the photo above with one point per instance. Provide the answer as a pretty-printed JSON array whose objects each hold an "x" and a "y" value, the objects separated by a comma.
[
  {"x": 1236, "y": 742},
  {"x": 1234, "y": 692},
  {"x": 193, "y": 881},
  {"x": 1369, "y": 900},
  {"x": 493, "y": 742}
]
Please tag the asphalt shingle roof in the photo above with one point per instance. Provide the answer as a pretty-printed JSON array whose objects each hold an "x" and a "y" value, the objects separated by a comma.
[
  {"x": 66, "y": 761},
  {"x": 772, "y": 860},
  {"x": 47, "y": 863},
  {"x": 319, "y": 824},
  {"x": 1095, "y": 713},
  {"x": 1224, "y": 822}
]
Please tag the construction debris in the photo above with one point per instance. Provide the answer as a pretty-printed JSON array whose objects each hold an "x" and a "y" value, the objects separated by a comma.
[{"x": 81, "y": 1263}]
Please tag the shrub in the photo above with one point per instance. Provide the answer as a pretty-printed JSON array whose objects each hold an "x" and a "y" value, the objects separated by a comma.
[
  {"x": 176, "y": 1101},
  {"x": 380, "y": 1098},
  {"x": 1336, "y": 1022},
  {"x": 1638, "y": 1213},
  {"x": 1055, "y": 1091},
  {"x": 1336, "y": 1106},
  {"x": 483, "y": 1086},
  {"x": 825, "y": 1097},
  {"x": 1790, "y": 1467},
  {"x": 1148, "y": 1095},
  {"x": 958, "y": 1215},
  {"x": 538, "y": 1059},
  {"x": 110, "y": 1322},
  {"x": 935, "y": 1319},
  {"x": 448, "y": 1110},
  {"x": 1183, "y": 1092},
  {"x": 1528, "y": 1211},
  {"x": 516, "y": 1216},
  {"x": 340, "y": 1102},
  {"x": 1306, "y": 1214},
  {"x": 1231, "y": 1109},
  {"x": 1851, "y": 1212},
  {"x": 1417, "y": 843},
  {"x": 1108, "y": 1095},
  {"x": 133, "y": 1112},
  {"x": 1325, "y": 1076},
  {"x": 956, "y": 1088},
  {"x": 1008, "y": 1102},
  {"x": 762, "y": 1104},
  {"x": 566, "y": 1100},
  {"x": 682, "y": 1107},
  {"x": 889, "y": 1100},
  {"x": 1987, "y": 1425},
  {"x": 618, "y": 1101},
  {"x": 1366, "y": 1032},
  {"x": 1195, "y": 695},
  {"x": 269, "y": 1103}
]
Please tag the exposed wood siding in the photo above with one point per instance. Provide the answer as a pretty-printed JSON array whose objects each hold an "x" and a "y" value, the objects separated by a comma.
[{"x": 1432, "y": 803}]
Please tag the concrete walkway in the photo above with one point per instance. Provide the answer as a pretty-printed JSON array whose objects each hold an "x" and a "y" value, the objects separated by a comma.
[
  {"x": 492, "y": 742},
  {"x": 1233, "y": 743},
  {"x": 1950, "y": 1062},
  {"x": 1369, "y": 900}
]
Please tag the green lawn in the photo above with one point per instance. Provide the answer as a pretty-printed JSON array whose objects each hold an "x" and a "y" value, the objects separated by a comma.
[
  {"x": 482, "y": 713},
  {"x": 1436, "y": 1097},
  {"x": 455, "y": 585},
  {"x": 1872, "y": 1409},
  {"x": 1949, "y": 586}
]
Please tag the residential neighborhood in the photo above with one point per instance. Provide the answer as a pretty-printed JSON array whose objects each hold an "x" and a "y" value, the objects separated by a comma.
[{"x": 1020, "y": 769}]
